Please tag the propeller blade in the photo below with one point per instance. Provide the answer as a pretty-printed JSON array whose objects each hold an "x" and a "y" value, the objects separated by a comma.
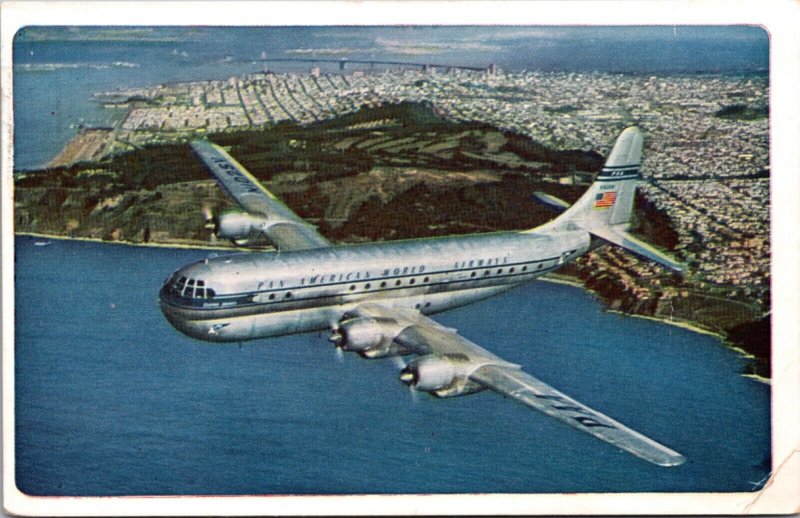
[
  {"x": 211, "y": 221},
  {"x": 414, "y": 394},
  {"x": 337, "y": 339}
]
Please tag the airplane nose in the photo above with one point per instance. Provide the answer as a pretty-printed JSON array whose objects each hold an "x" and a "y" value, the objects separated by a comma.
[
  {"x": 168, "y": 312},
  {"x": 173, "y": 315},
  {"x": 188, "y": 327}
]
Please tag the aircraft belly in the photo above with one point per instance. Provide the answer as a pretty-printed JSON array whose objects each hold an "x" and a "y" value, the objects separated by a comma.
[
  {"x": 263, "y": 325},
  {"x": 453, "y": 299}
]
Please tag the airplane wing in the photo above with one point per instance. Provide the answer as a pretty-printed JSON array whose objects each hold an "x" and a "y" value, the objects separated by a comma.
[
  {"x": 471, "y": 364},
  {"x": 281, "y": 227},
  {"x": 534, "y": 393}
]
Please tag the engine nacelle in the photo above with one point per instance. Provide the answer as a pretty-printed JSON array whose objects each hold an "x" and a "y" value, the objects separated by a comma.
[
  {"x": 369, "y": 337},
  {"x": 440, "y": 376},
  {"x": 241, "y": 228}
]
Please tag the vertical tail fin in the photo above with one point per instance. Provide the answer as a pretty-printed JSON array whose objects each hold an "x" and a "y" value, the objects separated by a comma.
[
  {"x": 605, "y": 208},
  {"x": 620, "y": 175},
  {"x": 609, "y": 200}
]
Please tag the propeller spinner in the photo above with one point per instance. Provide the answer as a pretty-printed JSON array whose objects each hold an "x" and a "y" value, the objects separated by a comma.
[{"x": 337, "y": 337}]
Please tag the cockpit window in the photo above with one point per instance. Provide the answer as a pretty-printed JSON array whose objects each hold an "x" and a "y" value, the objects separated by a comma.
[{"x": 189, "y": 288}]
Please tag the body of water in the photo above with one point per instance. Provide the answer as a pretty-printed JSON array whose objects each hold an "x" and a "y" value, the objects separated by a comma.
[
  {"x": 56, "y": 70},
  {"x": 111, "y": 400}
]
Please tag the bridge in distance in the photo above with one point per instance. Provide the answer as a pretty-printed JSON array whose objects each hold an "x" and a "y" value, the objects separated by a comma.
[{"x": 492, "y": 68}]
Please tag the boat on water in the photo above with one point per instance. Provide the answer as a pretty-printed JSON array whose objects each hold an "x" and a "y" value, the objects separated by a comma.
[{"x": 42, "y": 243}]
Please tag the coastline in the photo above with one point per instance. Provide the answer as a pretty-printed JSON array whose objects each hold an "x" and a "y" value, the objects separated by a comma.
[
  {"x": 683, "y": 324},
  {"x": 566, "y": 280},
  {"x": 184, "y": 246},
  {"x": 697, "y": 329}
]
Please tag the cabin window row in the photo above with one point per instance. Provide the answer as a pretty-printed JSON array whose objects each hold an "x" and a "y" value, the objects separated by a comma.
[
  {"x": 383, "y": 284},
  {"x": 411, "y": 282}
]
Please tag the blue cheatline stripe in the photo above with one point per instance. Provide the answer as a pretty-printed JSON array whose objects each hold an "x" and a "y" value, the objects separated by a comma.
[
  {"x": 619, "y": 173},
  {"x": 617, "y": 178},
  {"x": 610, "y": 167}
]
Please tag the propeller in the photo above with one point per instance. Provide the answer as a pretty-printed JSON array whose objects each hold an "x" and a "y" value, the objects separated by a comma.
[
  {"x": 407, "y": 377},
  {"x": 414, "y": 394},
  {"x": 337, "y": 339},
  {"x": 210, "y": 220},
  {"x": 211, "y": 223}
]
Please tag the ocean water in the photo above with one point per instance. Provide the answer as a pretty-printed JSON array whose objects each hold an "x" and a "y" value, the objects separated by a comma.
[
  {"x": 56, "y": 70},
  {"x": 110, "y": 400}
]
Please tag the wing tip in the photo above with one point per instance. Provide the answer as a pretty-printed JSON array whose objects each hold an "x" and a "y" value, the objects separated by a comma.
[
  {"x": 663, "y": 456},
  {"x": 672, "y": 461}
]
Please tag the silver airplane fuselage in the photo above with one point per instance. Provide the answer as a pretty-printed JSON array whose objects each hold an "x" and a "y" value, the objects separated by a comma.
[{"x": 243, "y": 296}]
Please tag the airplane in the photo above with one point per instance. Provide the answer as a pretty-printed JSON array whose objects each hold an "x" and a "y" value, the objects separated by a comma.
[{"x": 376, "y": 297}]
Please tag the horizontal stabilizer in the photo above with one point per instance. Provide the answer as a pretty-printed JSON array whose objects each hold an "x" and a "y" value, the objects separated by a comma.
[
  {"x": 636, "y": 246},
  {"x": 551, "y": 201}
]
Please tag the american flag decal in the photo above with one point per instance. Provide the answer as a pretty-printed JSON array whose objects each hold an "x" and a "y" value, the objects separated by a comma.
[{"x": 605, "y": 200}]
